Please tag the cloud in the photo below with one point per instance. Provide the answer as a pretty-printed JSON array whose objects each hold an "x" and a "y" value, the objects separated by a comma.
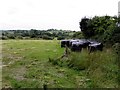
[{"x": 64, "y": 14}]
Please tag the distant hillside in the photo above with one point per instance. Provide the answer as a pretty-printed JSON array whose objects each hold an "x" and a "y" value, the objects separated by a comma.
[{"x": 38, "y": 34}]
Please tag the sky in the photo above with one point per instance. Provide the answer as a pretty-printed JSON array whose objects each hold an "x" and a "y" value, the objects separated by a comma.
[{"x": 48, "y": 14}]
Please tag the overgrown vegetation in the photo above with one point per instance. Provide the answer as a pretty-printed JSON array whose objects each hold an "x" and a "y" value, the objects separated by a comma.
[
  {"x": 117, "y": 52},
  {"x": 100, "y": 67}
]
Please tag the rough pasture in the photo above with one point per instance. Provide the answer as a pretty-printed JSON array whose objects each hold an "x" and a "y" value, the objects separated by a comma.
[{"x": 26, "y": 64}]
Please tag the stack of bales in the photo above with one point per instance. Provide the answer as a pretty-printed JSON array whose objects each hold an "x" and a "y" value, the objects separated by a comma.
[{"x": 78, "y": 44}]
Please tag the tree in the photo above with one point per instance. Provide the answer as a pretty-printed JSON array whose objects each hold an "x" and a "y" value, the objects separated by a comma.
[
  {"x": 33, "y": 33},
  {"x": 86, "y": 27},
  {"x": 60, "y": 37},
  {"x": 101, "y": 28},
  {"x": 78, "y": 35}
]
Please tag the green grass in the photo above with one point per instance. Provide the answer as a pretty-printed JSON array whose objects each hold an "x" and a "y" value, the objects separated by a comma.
[
  {"x": 100, "y": 68},
  {"x": 27, "y": 65}
]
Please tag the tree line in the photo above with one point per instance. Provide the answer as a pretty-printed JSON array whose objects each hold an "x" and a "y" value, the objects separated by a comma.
[{"x": 49, "y": 34}]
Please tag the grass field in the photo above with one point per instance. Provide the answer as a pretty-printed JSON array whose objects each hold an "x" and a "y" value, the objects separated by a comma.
[{"x": 26, "y": 64}]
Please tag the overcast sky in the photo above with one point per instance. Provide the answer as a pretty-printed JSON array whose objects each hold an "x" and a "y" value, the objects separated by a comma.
[{"x": 47, "y": 14}]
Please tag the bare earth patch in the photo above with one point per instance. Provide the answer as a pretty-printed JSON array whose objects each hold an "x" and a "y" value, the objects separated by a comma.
[{"x": 19, "y": 73}]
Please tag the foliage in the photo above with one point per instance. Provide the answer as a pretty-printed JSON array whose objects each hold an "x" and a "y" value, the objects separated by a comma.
[
  {"x": 60, "y": 37},
  {"x": 84, "y": 26},
  {"x": 46, "y": 37},
  {"x": 78, "y": 35},
  {"x": 100, "y": 67},
  {"x": 11, "y": 36},
  {"x": 37, "y": 34},
  {"x": 101, "y": 28},
  {"x": 4, "y": 37},
  {"x": 19, "y": 37}
]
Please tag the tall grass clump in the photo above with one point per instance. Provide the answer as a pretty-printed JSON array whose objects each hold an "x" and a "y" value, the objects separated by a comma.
[
  {"x": 100, "y": 67},
  {"x": 79, "y": 61},
  {"x": 75, "y": 60},
  {"x": 117, "y": 52},
  {"x": 103, "y": 69}
]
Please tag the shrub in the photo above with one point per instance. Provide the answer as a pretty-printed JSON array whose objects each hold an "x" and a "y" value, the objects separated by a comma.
[
  {"x": 60, "y": 37},
  {"x": 46, "y": 37},
  {"x": 11, "y": 36},
  {"x": 4, "y": 37},
  {"x": 19, "y": 37}
]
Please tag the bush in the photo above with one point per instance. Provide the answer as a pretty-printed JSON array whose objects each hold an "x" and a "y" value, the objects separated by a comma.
[
  {"x": 78, "y": 35},
  {"x": 116, "y": 47},
  {"x": 4, "y": 37},
  {"x": 11, "y": 36},
  {"x": 46, "y": 37},
  {"x": 19, "y": 37},
  {"x": 60, "y": 37},
  {"x": 116, "y": 38}
]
